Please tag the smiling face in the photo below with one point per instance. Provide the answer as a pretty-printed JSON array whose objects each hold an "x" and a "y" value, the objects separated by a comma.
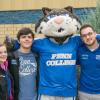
[
  {"x": 25, "y": 37},
  {"x": 88, "y": 36},
  {"x": 3, "y": 53},
  {"x": 26, "y": 41},
  {"x": 59, "y": 23}
]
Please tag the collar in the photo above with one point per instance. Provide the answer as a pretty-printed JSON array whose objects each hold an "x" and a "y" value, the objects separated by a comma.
[
  {"x": 4, "y": 65},
  {"x": 53, "y": 40}
]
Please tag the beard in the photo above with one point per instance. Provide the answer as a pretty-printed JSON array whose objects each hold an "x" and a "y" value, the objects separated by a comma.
[{"x": 92, "y": 43}]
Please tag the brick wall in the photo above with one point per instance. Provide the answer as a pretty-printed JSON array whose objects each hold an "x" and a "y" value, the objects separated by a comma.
[
  {"x": 12, "y": 21},
  {"x": 12, "y": 29}
]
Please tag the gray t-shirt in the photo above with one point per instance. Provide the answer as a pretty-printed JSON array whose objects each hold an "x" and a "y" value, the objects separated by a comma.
[{"x": 27, "y": 76}]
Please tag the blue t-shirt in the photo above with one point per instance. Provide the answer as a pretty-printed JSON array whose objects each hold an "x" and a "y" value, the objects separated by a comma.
[
  {"x": 57, "y": 73},
  {"x": 90, "y": 70},
  {"x": 27, "y": 76},
  {"x": 57, "y": 64}
]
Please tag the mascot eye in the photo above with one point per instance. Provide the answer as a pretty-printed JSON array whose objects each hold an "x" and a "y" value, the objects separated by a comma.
[
  {"x": 51, "y": 16},
  {"x": 66, "y": 15}
]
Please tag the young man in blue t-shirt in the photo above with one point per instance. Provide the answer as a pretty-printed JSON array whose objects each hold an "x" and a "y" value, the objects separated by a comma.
[
  {"x": 89, "y": 60},
  {"x": 57, "y": 67}
]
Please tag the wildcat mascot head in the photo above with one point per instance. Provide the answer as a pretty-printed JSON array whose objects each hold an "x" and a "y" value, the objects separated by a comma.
[{"x": 58, "y": 22}]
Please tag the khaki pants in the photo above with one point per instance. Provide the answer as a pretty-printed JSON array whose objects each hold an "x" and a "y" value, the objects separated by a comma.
[
  {"x": 86, "y": 96},
  {"x": 46, "y": 97}
]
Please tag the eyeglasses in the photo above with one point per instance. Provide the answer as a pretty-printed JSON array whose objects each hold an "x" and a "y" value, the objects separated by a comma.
[{"x": 88, "y": 34}]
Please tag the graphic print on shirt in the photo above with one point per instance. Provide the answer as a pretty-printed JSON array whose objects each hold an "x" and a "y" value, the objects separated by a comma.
[
  {"x": 84, "y": 56},
  {"x": 27, "y": 66},
  {"x": 60, "y": 59},
  {"x": 98, "y": 57}
]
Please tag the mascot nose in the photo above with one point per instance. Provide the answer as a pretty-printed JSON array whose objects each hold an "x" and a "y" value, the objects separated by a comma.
[
  {"x": 60, "y": 29},
  {"x": 58, "y": 19}
]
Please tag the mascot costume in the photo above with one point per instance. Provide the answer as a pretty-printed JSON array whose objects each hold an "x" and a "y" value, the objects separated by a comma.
[{"x": 57, "y": 54}]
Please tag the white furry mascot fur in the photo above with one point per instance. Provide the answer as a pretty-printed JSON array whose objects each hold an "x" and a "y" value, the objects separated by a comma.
[{"x": 58, "y": 22}]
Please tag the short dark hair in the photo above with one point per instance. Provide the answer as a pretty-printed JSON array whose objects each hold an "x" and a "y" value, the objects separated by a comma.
[
  {"x": 24, "y": 31},
  {"x": 85, "y": 26}
]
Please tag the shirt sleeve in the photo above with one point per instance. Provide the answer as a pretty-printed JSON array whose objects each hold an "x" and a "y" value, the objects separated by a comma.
[
  {"x": 16, "y": 45},
  {"x": 98, "y": 37},
  {"x": 36, "y": 46},
  {"x": 79, "y": 40}
]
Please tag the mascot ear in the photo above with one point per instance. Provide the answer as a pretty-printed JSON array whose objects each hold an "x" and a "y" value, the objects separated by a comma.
[
  {"x": 46, "y": 10},
  {"x": 69, "y": 8},
  {"x": 38, "y": 24}
]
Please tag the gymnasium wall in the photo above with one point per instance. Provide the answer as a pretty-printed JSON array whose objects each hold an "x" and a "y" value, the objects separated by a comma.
[{"x": 15, "y": 14}]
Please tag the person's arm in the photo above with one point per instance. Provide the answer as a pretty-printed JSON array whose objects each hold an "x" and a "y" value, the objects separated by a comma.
[
  {"x": 3, "y": 88},
  {"x": 37, "y": 44},
  {"x": 16, "y": 45},
  {"x": 11, "y": 44},
  {"x": 79, "y": 40},
  {"x": 98, "y": 37},
  {"x": 13, "y": 62}
]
